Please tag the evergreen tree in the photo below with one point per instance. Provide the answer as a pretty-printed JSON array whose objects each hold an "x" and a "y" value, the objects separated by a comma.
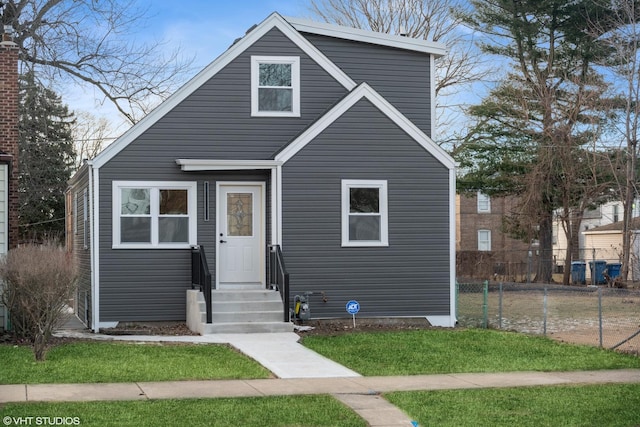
[
  {"x": 532, "y": 133},
  {"x": 46, "y": 160}
]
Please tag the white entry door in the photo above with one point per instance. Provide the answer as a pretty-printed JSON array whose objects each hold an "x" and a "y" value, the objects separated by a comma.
[{"x": 241, "y": 236}]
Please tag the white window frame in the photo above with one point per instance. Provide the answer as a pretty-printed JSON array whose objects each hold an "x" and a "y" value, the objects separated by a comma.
[
  {"x": 381, "y": 185},
  {"x": 295, "y": 85},
  {"x": 482, "y": 200},
  {"x": 482, "y": 241},
  {"x": 155, "y": 187}
]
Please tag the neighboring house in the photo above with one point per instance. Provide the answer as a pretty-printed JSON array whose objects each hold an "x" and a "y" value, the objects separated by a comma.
[
  {"x": 606, "y": 214},
  {"x": 483, "y": 250},
  {"x": 312, "y": 137},
  {"x": 604, "y": 243},
  {"x": 8, "y": 151}
]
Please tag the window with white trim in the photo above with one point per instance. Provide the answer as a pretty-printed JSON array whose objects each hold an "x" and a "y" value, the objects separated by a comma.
[
  {"x": 154, "y": 214},
  {"x": 484, "y": 240},
  {"x": 484, "y": 203},
  {"x": 364, "y": 213},
  {"x": 275, "y": 86}
]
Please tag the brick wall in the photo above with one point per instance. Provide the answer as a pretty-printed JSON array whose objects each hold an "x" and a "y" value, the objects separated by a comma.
[{"x": 9, "y": 128}]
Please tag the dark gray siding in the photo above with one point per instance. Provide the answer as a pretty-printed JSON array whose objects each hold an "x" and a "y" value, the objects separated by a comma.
[
  {"x": 408, "y": 278},
  {"x": 82, "y": 243},
  {"x": 401, "y": 76},
  {"x": 215, "y": 121},
  {"x": 150, "y": 285}
]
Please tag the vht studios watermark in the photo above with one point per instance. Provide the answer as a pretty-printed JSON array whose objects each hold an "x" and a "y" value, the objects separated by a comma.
[{"x": 40, "y": 421}]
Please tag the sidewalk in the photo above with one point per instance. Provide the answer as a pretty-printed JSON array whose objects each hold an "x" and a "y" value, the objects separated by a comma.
[{"x": 362, "y": 394}]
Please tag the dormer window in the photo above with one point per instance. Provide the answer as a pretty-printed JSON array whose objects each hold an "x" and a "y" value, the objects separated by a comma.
[{"x": 275, "y": 86}]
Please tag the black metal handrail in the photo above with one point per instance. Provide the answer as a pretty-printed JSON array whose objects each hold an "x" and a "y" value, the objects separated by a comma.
[
  {"x": 279, "y": 277},
  {"x": 201, "y": 277}
]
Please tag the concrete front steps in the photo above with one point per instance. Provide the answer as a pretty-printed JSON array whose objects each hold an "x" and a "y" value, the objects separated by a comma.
[{"x": 237, "y": 311}]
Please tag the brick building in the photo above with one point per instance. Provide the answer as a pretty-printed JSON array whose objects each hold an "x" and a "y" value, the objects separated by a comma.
[
  {"x": 8, "y": 149},
  {"x": 483, "y": 250}
]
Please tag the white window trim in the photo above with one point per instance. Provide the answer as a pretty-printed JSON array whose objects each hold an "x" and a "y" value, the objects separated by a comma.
[
  {"x": 381, "y": 185},
  {"x": 488, "y": 199},
  {"x": 75, "y": 213},
  {"x": 488, "y": 240},
  {"x": 191, "y": 188},
  {"x": 85, "y": 219},
  {"x": 295, "y": 85}
]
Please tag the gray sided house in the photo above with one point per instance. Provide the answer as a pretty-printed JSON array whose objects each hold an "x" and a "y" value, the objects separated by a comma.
[{"x": 302, "y": 139}]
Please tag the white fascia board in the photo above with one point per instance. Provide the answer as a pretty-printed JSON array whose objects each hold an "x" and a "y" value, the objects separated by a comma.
[
  {"x": 365, "y": 91},
  {"x": 273, "y": 21},
  {"x": 589, "y": 232},
  {"x": 194, "y": 165},
  {"x": 355, "y": 34}
]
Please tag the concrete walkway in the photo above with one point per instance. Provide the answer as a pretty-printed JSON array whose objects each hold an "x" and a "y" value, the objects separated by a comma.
[
  {"x": 300, "y": 371},
  {"x": 278, "y": 352},
  {"x": 362, "y": 394}
]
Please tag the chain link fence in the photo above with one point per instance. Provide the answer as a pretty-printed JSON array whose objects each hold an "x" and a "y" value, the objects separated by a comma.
[{"x": 599, "y": 316}]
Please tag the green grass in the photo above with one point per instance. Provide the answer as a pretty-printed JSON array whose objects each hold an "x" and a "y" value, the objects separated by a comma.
[
  {"x": 99, "y": 362},
  {"x": 597, "y": 405},
  {"x": 473, "y": 350},
  {"x": 259, "y": 412}
]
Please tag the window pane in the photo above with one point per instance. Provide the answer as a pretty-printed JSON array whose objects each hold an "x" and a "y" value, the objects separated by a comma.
[
  {"x": 173, "y": 202},
  {"x": 173, "y": 230},
  {"x": 239, "y": 214},
  {"x": 275, "y": 99},
  {"x": 135, "y": 230},
  {"x": 275, "y": 75},
  {"x": 135, "y": 201},
  {"x": 365, "y": 200},
  {"x": 364, "y": 227}
]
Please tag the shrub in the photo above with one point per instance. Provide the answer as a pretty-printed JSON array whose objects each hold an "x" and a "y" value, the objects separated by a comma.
[{"x": 38, "y": 280}]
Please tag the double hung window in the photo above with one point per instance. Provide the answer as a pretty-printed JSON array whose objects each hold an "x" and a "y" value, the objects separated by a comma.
[
  {"x": 275, "y": 86},
  {"x": 364, "y": 213},
  {"x": 148, "y": 214}
]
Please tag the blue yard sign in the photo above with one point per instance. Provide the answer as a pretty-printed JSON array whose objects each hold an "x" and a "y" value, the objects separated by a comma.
[{"x": 353, "y": 307}]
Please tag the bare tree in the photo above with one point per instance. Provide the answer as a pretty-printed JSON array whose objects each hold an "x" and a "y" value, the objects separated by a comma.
[
  {"x": 435, "y": 20},
  {"x": 38, "y": 283},
  {"x": 91, "y": 135},
  {"x": 91, "y": 42},
  {"x": 621, "y": 34}
]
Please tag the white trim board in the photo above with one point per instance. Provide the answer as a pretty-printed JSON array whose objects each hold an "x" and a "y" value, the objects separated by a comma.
[{"x": 355, "y": 34}]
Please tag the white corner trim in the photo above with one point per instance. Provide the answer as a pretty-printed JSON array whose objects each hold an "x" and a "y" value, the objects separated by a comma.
[
  {"x": 367, "y": 36},
  {"x": 94, "y": 244},
  {"x": 441, "y": 321},
  {"x": 365, "y": 91},
  {"x": 453, "y": 310},
  {"x": 194, "y": 165},
  {"x": 272, "y": 21}
]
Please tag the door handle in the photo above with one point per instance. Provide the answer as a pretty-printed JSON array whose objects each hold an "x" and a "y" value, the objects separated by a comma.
[{"x": 223, "y": 241}]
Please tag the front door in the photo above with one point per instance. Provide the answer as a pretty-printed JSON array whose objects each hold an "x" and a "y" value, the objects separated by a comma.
[{"x": 241, "y": 235}]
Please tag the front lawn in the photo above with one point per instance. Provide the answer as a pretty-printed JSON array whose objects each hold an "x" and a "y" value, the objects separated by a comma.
[
  {"x": 103, "y": 362},
  {"x": 608, "y": 405},
  {"x": 437, "y": 351},
  {"x": 251, "y": 411}
]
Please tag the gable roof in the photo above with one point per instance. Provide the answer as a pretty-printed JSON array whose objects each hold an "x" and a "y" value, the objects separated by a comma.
[
  {"x": 364, "y": 91},
  {"x": 273, "y": 21},
  {"x": 614, "y": 228},
  {"x": 355, "y": 34}
]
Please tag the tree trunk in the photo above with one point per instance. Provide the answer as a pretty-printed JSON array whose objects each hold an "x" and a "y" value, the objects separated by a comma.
[{"x": 546, "y": 249}]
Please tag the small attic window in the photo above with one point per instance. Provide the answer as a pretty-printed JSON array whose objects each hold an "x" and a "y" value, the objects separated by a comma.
[{"x": 275, "y": 86}]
